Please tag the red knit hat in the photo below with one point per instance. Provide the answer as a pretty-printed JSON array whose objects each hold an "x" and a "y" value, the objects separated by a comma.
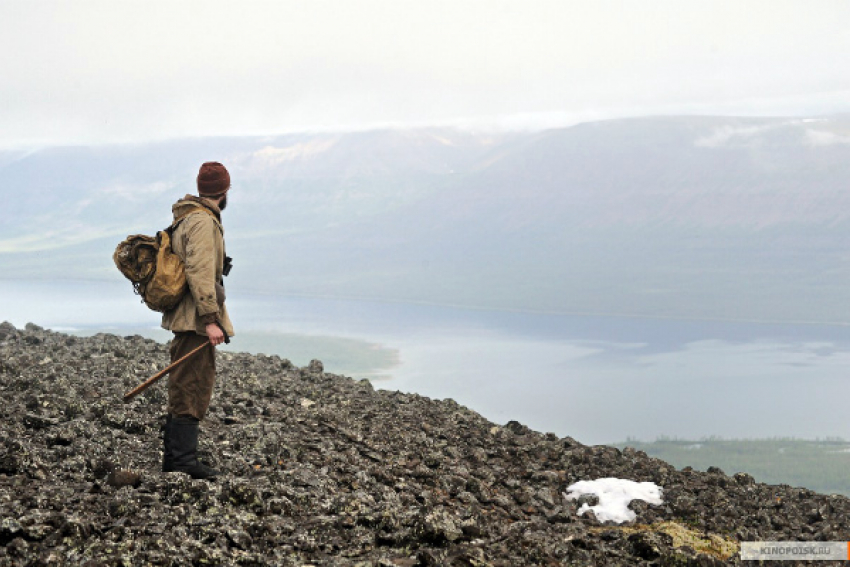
[{"x": 213, "y": 180}]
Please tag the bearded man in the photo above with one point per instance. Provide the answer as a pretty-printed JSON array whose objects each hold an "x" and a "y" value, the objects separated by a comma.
[{"x": 200, "y": 317}]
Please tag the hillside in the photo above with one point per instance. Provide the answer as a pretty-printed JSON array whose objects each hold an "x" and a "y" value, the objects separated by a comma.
[{"x": 324, "y": 470}]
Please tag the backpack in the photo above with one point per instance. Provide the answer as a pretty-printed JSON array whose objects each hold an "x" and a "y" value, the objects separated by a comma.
[{"x": 156, "y": 272}]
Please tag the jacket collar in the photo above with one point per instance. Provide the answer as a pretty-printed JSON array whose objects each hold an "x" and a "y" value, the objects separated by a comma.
[{"x": 204, "y": 202}]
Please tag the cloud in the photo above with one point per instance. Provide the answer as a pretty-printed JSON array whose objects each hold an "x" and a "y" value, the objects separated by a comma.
[
  {"x": 293, "y": 66},
  {"x": 138, "y": 192},
  {"x": 738, "y": 135},
  {"x": 729, "y": 358},
  {"x": 816, "y": 132},
  {"x": 55, "y": 239},
  {"x": 823, "y": 138}
]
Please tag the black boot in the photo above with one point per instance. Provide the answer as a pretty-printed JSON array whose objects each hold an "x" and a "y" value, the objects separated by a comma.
[
  {"x": 184, "y": 448},
  {"x": 167, "y": 457}
]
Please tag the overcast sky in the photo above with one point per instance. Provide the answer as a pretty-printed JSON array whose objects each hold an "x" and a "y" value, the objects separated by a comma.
[{"x": 88, "y": 72}]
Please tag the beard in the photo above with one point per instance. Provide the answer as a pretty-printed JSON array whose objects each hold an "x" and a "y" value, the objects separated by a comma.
[{"x": 223, "y": 203}]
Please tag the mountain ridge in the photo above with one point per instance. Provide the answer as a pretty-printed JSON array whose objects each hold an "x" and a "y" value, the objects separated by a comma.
[{"x": 679, "y": 216}]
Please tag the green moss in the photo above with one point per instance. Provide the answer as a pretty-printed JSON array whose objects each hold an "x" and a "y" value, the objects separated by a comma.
[{"x": 701, "y": 542}]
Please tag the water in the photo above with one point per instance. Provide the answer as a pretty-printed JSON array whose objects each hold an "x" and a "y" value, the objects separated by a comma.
[{"x": 598, "y": 379}]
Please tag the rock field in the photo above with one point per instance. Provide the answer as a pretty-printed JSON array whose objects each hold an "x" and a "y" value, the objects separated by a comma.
[{"x": 324, "y": 470}]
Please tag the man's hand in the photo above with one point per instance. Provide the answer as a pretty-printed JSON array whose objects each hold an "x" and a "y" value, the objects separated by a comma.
[{"x": 215, "y": 334}]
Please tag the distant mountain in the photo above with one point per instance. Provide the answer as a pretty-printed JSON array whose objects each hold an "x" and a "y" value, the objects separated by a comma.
[{"x": 704, "y": 217}]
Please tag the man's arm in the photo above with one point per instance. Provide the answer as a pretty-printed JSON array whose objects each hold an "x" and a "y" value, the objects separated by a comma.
[{"x": 200, "y": 234}]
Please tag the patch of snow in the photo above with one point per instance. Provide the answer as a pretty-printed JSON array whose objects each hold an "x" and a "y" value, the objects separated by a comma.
[
  {"x": 614, "y": 495},
  {"x": 272, "y": 156}
]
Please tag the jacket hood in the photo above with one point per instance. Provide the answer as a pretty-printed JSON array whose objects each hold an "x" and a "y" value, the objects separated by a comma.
[{"x": 190, "y": 202}]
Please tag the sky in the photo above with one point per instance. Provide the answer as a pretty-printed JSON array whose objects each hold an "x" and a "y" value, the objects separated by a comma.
[{"x": 88, "y": 72}]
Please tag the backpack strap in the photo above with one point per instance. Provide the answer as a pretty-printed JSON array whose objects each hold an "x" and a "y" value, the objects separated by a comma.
[{"x": 182, "y": 217}]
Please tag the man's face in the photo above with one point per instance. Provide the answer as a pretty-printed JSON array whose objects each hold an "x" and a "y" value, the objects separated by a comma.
[{"x": 223, "y": 203}]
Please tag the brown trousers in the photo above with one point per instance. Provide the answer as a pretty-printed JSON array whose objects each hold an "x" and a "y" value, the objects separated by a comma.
[{"x": 190, "y": 385}]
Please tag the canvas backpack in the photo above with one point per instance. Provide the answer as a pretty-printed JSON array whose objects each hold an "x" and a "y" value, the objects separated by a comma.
[{"x": 156, "y": 272}]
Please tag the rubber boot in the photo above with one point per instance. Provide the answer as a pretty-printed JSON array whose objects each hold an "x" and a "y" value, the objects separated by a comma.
[
  {"x": 184, "y": 448},
  {"x": 167, "y": 457}
]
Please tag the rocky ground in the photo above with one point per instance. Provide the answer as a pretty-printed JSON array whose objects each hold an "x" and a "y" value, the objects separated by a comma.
[{"x": 324, "y": 470}]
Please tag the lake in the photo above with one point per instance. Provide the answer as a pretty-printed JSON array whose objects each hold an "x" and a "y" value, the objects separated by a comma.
[{"x": 597, "y": 379}]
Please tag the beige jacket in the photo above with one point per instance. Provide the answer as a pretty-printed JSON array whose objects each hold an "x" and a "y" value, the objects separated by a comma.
[{"x": 199, "y": 241}]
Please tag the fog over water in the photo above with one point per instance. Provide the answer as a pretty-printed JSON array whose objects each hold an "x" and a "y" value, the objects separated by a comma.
[{"x": 598, "y": 379}]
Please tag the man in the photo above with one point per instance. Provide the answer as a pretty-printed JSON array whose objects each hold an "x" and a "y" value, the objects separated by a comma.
[{"x": 200, "y": 317}]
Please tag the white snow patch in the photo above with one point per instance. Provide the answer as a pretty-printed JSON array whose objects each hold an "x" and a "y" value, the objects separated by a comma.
[
  {"x": 271, "y": 155},
  {"x": 614, "y": 496}
]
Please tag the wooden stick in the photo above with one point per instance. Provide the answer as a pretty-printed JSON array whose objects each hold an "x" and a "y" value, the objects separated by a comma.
[{"x": 144, "y": 385}]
